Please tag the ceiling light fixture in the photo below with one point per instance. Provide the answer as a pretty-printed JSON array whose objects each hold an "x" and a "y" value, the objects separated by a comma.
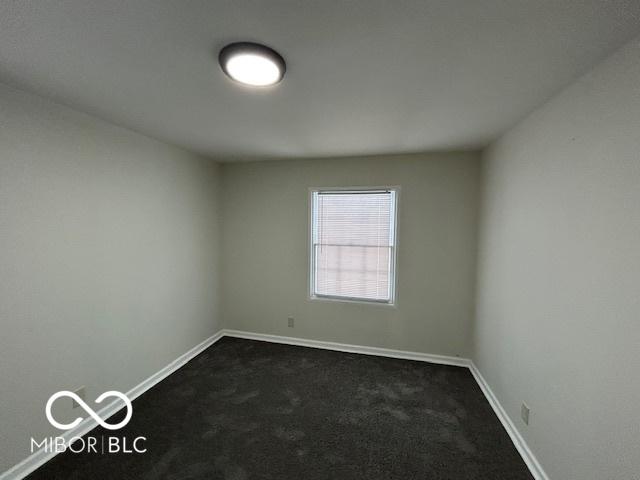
[{"x": 252, "y": 64}]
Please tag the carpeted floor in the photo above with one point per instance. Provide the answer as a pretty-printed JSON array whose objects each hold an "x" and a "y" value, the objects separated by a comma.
[{"x": 253, "y": 410}]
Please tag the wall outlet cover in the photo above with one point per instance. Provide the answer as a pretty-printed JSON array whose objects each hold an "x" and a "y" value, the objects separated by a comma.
[{"x": 524, "y": 413}]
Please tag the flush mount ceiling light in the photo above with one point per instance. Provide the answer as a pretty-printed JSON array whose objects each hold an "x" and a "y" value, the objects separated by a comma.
[{"x": 252, "y": 64}]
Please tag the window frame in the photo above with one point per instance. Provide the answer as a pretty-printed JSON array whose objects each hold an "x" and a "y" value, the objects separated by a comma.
[{"x": 393, "y": 274}]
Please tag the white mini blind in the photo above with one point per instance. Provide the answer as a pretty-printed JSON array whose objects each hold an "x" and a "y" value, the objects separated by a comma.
[{"x": 353, "y": 244}]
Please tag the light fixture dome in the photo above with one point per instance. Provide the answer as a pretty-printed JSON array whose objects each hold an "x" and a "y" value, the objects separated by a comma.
[{"x": 252, "y": 64}]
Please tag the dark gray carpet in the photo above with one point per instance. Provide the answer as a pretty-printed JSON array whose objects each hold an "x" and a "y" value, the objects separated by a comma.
[{"x": 253, "y": 410}]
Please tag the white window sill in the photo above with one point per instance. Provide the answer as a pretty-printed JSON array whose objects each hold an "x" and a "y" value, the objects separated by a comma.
[{"x": 326, "y": 298}]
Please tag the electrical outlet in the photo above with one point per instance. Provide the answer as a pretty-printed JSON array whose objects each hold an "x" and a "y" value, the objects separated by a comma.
[
  {"x": 290, "y": 322},
  {"x": 81, "y": 393},
  {"x": 524, "y": 413}
]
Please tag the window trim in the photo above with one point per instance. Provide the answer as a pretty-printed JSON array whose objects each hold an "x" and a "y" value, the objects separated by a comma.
[{"x": 393, "y": 300}]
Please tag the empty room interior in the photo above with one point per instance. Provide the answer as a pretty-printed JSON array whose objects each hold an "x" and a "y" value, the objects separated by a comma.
[{"x": 363, "y": 240}]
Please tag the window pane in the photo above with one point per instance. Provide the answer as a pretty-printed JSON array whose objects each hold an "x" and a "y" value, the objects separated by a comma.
[
  {"x": 354, "y": 219},
  {"x": 353, "y": 244},
  {"x": 353, "y": 271}
]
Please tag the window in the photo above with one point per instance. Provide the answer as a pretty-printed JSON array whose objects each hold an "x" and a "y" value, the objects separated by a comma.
[{"x": 353, "y": 238}]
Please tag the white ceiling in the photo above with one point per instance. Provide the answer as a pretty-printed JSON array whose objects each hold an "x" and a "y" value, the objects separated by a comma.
[{"x": 366, "y": 76}]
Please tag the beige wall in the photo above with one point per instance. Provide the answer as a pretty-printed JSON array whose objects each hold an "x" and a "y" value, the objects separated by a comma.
[
  {"x": 558, "y": 315},
  {"x": 266, "y": 253},
  {"x": 108, "y": 254}
]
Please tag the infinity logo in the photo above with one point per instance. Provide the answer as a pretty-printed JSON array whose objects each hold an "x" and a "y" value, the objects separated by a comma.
[{"x": 89, "y": 410}]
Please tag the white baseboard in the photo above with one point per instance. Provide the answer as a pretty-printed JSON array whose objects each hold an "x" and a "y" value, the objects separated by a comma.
[
  {"x": 40, "y": 457},
  {"x": 344, "y": 347},
  {"x": 525, "y": 452}
]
